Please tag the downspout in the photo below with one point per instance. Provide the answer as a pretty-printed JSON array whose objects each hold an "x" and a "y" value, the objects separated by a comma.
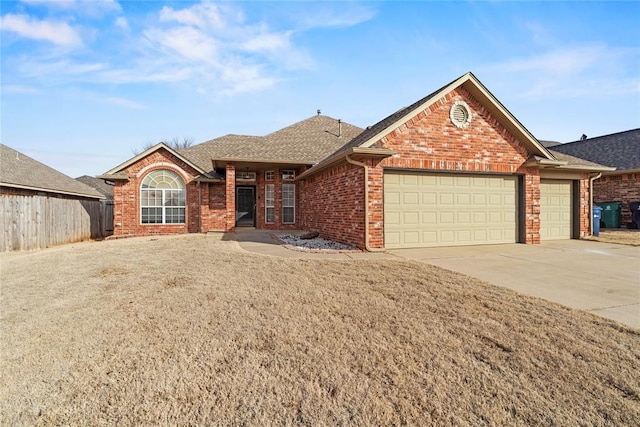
[
  {"x": 366, "y": 204},
  {"x": 593, "y": 178}
]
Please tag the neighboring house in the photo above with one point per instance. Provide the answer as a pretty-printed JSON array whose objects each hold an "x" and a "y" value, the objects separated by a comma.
[
  {"x": 454, "y": 168},
  {"x": 97, "y": 184},
  {"x": 41, "y": 207},
  {"x": 620, "y": 150}
]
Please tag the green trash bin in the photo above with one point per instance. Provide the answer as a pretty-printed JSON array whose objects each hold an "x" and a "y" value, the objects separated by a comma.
[{"x": 610, "y": 214}]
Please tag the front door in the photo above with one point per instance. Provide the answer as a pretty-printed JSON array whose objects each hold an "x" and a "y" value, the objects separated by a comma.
[{"x": 245, "y": 206}]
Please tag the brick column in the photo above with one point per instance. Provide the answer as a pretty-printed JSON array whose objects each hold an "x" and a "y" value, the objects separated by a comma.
[
  {"x": 230, "y": 197},
  {"x": 376, "y": 205}
]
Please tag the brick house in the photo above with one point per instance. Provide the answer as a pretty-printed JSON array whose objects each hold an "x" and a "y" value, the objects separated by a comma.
[
  {"x": 454, "y": 168},
  {"x": 620, "y": 150}
]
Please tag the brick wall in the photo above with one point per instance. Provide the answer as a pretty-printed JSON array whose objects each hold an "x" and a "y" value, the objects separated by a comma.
[
  {"x": 332, "y": 202},
  {"x": 431, "y": 141},
  {"x": 428, "y": 141},
  {"x": 126, "y": 196},
  {"x": 623, "y": 188}
]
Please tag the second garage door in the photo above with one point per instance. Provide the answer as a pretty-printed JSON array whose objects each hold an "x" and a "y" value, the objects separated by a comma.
[
  {"x": 555, "y": 209},
  {"x": 423, "y": 210}
]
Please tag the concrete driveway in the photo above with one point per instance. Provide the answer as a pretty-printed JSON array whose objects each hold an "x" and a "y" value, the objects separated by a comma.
[{"x": 598, "y": 277}]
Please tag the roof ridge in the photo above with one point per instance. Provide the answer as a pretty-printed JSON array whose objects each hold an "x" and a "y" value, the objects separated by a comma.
[{"x": 601, "y": 136}]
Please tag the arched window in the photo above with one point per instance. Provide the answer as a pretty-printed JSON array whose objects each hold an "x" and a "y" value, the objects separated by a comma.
[{"x": 162, "y": 198}]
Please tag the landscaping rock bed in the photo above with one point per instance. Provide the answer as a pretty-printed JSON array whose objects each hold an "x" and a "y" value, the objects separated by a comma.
[{"x": 316, "y": 243}]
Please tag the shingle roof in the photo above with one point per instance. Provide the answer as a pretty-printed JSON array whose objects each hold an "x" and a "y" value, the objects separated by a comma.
[
  {"x": 22, "y": 171},
  {"x": 305, "y": 142},
  {"x": 383, "y": 124},
  {"x": 97, "y": 184},
  {"x": 475, "y": 87},
  {"x": 620, "y": 150},
  {"x": 572, "y": 160},
  {"x": 549, "y": 144}
]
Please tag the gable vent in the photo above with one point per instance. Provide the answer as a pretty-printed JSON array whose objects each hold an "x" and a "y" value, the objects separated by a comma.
[{"x": 460, "y": 114}]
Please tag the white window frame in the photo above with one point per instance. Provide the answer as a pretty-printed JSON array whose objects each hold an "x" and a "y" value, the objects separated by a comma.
[
  {"x": 288, "y": 203},
  {"x": 269, "y": 203},
  {"x": 171, "y": 188},
  {"x": 288, "y": 175},
  {"x": 269, "y": 175},
  {"x": 245, "y": 176}
]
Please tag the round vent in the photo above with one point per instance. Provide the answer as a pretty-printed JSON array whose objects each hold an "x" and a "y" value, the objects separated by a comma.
[{"x": 460, "y": 114}]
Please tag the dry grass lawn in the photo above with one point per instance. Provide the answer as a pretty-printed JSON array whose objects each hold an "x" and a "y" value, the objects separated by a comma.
[
  {"x": 624, "y": 237},
  {"x": 191, "y": 330}
]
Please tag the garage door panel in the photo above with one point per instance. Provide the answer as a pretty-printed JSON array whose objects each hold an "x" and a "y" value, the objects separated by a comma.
[
  {"x": 453, "y": 209},
  {"x": 555, "y": 209},
  {"x": 411, "y": 218}
]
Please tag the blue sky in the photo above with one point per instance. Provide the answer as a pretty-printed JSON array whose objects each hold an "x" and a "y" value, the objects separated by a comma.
[{"x": 85, "y": 83}]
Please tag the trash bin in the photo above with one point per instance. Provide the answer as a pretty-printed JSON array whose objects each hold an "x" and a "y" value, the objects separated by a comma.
[
  {"x": 611, "y": 214},
  {"x": 634, "y": 207},
  {"x": 597, "y": 214}
]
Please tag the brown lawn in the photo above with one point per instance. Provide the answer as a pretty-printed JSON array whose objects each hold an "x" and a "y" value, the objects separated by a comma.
[
  {"x": 621, "y": 236},
  {"x": 191, "y": 330}
]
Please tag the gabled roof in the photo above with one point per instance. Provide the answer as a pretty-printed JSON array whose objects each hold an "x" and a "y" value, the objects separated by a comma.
[
  {"x": 21, "y": 171},
  {"x": 302, "y": 143},
  {"x": 372, "y": 134},
  {"x": 620, "y": 150},
  {"x": 305, "y": 143},
  {"x": 117, "y": 174},
  {"x": 97, "y": 184}
]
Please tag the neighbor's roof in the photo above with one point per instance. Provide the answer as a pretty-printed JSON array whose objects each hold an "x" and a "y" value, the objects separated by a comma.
[
  {"x": 20, "y": 171},
  {"x": 372, "y": 134},
  {"x": 620, "y": 150},
  {"x": 97, "y": 184},
  {"x": 549, "y": 144},
  {"x": 304, "y": 142}
]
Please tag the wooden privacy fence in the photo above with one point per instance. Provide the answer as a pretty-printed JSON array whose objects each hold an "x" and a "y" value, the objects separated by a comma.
[{"x": 40, "y": 221}]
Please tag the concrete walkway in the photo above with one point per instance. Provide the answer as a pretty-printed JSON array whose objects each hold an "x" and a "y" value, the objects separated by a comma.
[{"x": 601, "y": 278}]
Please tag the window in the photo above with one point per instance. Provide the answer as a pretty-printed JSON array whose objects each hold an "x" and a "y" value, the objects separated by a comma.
[
  {"x": 269, "y": 175},
  {"x": 269, "y": 203},
  {"x": 288, "y": 175},
  {"x": 162, "y": 198},
  {"x": 288, "y": 203},
  {"x": 245, "y": 176}
]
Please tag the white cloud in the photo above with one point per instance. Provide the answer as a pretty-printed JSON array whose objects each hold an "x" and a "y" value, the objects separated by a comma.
[
  {"x": 328, "y": 16},
  {"x": 122, "y": 23},
  {"x": 58, "y": 69},
  {"x": 267, "y": 42},
  {"x": 601, "y": 71},
  {"x": 19, "y": 89},
  {"x": 59, "y": 33},
  {"x": 215, "y": 48},
  {"x": 124, "y": 102},
  {"x": 204, "y": 15},
  {"x": 188, "y": 42}
]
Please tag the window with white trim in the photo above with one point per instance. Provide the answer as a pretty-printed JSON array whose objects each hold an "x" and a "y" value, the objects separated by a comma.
[
  {"x": 288, "y": 203},
  {"x": 269, "y": 175},
  {"x": 269, "y": 203},
  {"x": 288, "y": 175},
  {"x": 163, "y": 198}
]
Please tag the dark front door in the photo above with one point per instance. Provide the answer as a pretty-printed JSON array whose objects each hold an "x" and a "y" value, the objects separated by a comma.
[{"x": 245, "y": 206}]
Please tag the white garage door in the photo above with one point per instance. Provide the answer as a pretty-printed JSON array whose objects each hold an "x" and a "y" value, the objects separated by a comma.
[
  {"x": 422, "y": 210},
  {"x": 555, "y": 209}
]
